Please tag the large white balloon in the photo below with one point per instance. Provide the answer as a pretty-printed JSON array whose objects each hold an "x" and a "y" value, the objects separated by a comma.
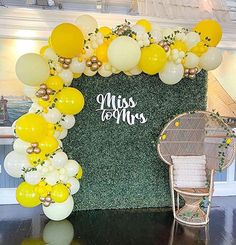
[
  {"x": 51, "y": 177},
  {"x": 20, "y": 146},
  {"x": 33, "y": 177},
  {"x": 59, "y": 159},
  {"x": 67, "y": 76},
  {"x": 52, "y": 116},
  {"x": 75, "y": 185},
  {"x": 124, "y": 53},
  {"x": 59, "y": 211},
  {"x": 58, "y": 232},
  {"x": 191, "y": 39},
  {"x": 72, "y": 168},
  {"x": 67, "y": 121},
  {"x": 76, "y": 66},
  {"x": 15, "y": 162},
  {"x": 211, "y": 59},
  {"x": 87, "y": 24},
  {"x": 172, "y": 73},
  {"x": 191, "y": 60}
]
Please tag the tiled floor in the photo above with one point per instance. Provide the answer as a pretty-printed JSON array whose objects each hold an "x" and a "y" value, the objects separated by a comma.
[{"x": 146, "y": 227}]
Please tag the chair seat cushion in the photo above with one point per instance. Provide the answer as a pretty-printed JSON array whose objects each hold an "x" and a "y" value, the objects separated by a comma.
[{"x": 189, "y": 171}]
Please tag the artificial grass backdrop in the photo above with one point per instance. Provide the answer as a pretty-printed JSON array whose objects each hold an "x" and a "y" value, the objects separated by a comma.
[{"x": 120, "y": 162}]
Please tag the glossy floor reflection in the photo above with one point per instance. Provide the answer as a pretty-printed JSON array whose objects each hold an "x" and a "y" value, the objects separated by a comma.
[{"x": 146, "y": 227}]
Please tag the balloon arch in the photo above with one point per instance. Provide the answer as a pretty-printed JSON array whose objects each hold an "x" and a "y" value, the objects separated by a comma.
[{"x": 50, "y": 178}]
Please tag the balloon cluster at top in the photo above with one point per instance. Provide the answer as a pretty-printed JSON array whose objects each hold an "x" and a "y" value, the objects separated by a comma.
[{"x": 50, "y": 178}]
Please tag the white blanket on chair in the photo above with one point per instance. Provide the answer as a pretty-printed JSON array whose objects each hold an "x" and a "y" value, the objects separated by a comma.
[{"x": 189, "y": 171}]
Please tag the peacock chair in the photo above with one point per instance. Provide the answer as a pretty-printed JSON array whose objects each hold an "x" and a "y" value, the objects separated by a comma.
[{"x": 195, "y": 145}]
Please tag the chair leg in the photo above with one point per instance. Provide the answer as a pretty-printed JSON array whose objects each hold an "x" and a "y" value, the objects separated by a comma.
[
  {"x": 172, "y": 190},
  {"x": 210, "y": 194}
]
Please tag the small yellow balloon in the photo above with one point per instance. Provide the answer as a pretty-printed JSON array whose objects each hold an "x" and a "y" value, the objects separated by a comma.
[
  {"x": 31, "y": 127},
  {"x": 199, "y": 49},
  {"x": 70, "y": 101},
  {"x": 67, "y": 40},
  {"x": 55, "y": 83},
  {"x": 59, "y": 193},
  {"x": 76, "y": 75},
  {"x": 80, "y": 173},
  {"x": 48, "y": 144},
  {"x": 146, "y": 24},
  {"x": 153, "y": 59},
  {"x": 180, "y": 45},
  {"x": 105, "y": 30},
  {"x": 101, "y": 52},
  {"x": 209, "y": 31},
  {"x": 36, "y": 159},
  {"x": 33, "y": 241},
  {"x": 27, "y": 196},
  {"x": 43, "y": 49}
]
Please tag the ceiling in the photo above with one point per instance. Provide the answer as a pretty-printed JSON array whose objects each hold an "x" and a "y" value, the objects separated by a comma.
[{"x": 223, "y": 10}]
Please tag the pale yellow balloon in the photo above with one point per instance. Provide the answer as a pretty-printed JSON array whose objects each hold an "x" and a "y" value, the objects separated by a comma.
[
  {"x": 32, "y": 69},
  {"x": 124, "y": 53},
  {"x": 87, "y": 24}
]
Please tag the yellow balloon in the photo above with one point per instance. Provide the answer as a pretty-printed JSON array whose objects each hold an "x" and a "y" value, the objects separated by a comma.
[
  {"x": 67, "y": 40},
  {"x": 31, "y": 127},
  {"x": 105, "y": 30},
  {"x": 180, "y": 45},
  {"x": 101, "y": 52},
  {"x": 26, "y": 195},
  {"x": 109, "y": 38},
  {"x": 210, "y": 32},
  {"x": 46, "y": 103},
  {"x": 33, "y": 241},
  {"x": 48, "y": 144},
  {"x": 42, "y": 50},
  {"x": 80, "y": 173},
  {"x": 76, "y": 75},
  {"x": 59, "y": 193},
  {"x": 153, "y": 59},
  {"x": 200, "y": 48},
  {"x": 55, "y": 83},
  {"x": 146, "y": 24},
  {"x": 70, "y": 101},
  {"x": 51, "y": 129},
  {"x": 36, "y": 159}
]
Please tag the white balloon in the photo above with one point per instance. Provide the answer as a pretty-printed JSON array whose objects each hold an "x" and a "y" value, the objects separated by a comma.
[
  {"x": 72, "y": 168},
  {"x": 59, "y": 159},
  {"x": 63, "y": 134},
  {"x": 60, "y": 143},
  {"x": 88, "y": 72},
  {"x": 13, "y": 128},
  {"x": 87, "y": 24},
  {"x": 76, "y": 66},
  {"x": 138, "y": 29},
  {"x": 67, "y": 121},
  {"x": 51, "y": 177},
  {"x": 30, "y": 91},
  {"x": 124, "y": 53},
  {"x": 59, "y": 211},
  {"x": 63, "y": 178},
  {"x": 191, "y": 39},
  {"x": 58, "y": 232},
  {"x": 172, "y": 73},
  {"x": 33, "y": 177},
  {"x": 191, "y": 60},
  {"x": 211, "y": 59},
  {"x": 67, "y": 76},
  {"x": 135, "y": 71},
  {"x": 35, "y": 108},
  {"x": 15, "y": 162},
  {"x": 104, "y": 72},
  {"x": 156, "y": 32},
  {"x": 20, "y": 146},
  {"x": 75, "y": 185},
  {"x": 50, "y": 54},
  {"x": 52, "y": 116},
  {"x": 167, "y": 32},
  {"x": 89, "y": 51}
]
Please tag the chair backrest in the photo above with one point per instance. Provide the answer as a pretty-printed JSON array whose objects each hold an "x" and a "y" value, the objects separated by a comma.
[{"x": 198, "y": 133}]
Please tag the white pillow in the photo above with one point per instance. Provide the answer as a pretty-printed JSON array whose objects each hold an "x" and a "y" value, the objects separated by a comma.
[{"x": 189, "y": 171}]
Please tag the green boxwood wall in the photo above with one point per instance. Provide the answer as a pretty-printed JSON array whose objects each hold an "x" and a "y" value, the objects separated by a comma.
[{"x": 120, "y": 162}]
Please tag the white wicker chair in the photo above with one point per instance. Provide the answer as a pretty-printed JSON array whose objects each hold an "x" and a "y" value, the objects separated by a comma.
[{"x": 195, "y": 134}]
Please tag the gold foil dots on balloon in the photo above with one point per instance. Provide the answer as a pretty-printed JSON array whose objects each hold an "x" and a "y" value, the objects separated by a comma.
[
  {"x": 65, "y": 62},
  {"x": 190, "y": 72},
  {"x": 94, "y": 63},
  {"x": 46, "y": 201},
  {"x": 164, "y": 45},
  {"x": 34, "y": 148},
  {"x": 44, "y": 92}
]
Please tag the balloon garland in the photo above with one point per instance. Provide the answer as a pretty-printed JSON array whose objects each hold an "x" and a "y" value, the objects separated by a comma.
[{"x": 50, "y": 178}]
